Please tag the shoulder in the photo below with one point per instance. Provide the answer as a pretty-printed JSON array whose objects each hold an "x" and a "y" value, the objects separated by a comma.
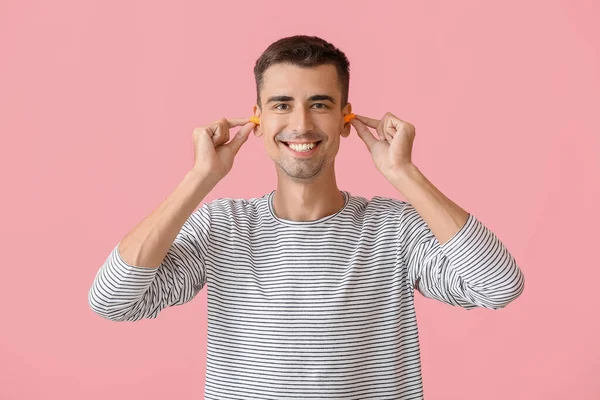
[
  {"x": 378, "y": 204},
  {"x": 231, "y": 206}
]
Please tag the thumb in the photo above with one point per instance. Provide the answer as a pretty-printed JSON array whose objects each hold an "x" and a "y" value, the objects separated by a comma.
[
  {"x": 240, "y": 138},
  {"x": 364, "y": 133}
]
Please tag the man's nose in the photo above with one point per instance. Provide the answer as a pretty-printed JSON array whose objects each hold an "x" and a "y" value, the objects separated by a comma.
[{"x": 301, "y": 120}]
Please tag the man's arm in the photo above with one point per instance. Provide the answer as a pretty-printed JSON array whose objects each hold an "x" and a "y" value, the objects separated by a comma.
[
  {"x": 450, "y": 255},
  {"x": 160, "y": 263},
  {"x": 444, "y": 217}
]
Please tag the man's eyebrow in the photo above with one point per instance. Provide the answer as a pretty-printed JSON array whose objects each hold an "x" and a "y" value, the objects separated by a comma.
[
  {"x": 311, "y": 98},
  {"x": 279, "y": 98},
  {"x": 322, "y": 97}
]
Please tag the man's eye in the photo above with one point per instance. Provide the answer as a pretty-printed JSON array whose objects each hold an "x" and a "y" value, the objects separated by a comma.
[
  {"x": 320, "y": 104},
  {"x": 279, "y": 105}
]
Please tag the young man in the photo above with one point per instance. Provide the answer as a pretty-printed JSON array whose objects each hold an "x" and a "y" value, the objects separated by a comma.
[{"x": 310, "y": 289}]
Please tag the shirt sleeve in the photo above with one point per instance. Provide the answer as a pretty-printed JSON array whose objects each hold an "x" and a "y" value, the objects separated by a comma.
[
  {"x": 125, "y": 292},
  {"x": 472, "y": 269}
]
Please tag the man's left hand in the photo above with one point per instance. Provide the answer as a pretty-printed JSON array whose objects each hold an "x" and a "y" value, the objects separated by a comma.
[{"x": 392, "y": 152}]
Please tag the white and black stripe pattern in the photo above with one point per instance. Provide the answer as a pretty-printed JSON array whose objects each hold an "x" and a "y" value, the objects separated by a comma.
[{"x": 313, "y": 310}]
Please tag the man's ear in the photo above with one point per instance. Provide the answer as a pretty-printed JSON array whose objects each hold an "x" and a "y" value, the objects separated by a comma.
[
  {"x": 347, "y": 126},
  {"x": 258, "y": 128}
]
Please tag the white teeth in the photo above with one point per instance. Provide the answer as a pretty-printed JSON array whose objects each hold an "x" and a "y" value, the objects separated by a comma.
[{"x": 302, "y": 147}]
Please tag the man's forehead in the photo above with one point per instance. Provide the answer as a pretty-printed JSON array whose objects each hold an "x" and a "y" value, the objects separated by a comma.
[{"x": 300, "y": 83}]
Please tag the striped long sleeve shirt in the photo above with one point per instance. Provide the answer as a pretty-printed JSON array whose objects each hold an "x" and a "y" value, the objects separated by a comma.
[{"x": 320, "y": 309}]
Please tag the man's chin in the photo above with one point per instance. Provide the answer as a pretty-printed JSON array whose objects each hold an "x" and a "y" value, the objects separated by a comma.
[{"x": 301, "y": 176}]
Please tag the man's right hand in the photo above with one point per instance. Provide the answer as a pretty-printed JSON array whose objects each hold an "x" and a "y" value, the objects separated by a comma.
[{"x": 213, "y": 156}]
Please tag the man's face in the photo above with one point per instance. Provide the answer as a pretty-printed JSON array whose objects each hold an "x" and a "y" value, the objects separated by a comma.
[{"x": 301, "y": 105}]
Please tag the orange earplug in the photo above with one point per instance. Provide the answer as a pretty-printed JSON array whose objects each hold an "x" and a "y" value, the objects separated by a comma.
[
  {"x": 254, "y": 119},
  {"x": 349, "y": 117}
]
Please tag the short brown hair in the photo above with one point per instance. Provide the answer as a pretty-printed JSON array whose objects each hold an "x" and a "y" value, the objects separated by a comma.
[{"x": 303, "y": 51}]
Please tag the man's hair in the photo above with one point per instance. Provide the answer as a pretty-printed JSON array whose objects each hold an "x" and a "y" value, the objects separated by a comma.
[{"x": 303, "y": 51}]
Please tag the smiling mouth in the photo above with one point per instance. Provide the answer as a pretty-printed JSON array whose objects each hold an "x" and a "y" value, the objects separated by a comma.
[{"x": 302, "y": 147}]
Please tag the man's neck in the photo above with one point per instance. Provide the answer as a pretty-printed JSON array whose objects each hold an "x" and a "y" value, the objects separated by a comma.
[{"x": 296, "y": 201}]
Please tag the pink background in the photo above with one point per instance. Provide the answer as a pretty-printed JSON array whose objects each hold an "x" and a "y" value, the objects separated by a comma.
[{"x": 98, "y": 101}]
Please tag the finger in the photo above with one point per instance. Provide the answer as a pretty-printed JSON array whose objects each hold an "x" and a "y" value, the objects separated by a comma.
[
  {"x": 229, "y": 122},
  {"x": 389, "y": 137},
  {"x": 212, "y": 133},
  {"x": 368, "y": 121},
  {"x": 219, "y": 130},
  {"x": 375, "y": 122},
  {"x": 240, "y": 137},
  {"x": 364, "y": 133},
  {"x": 232, "y": 122},
  {"x": 391, "y": 126},
  {"x": 221, "y": 133},
  {"x": 204, "y": 137}
]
